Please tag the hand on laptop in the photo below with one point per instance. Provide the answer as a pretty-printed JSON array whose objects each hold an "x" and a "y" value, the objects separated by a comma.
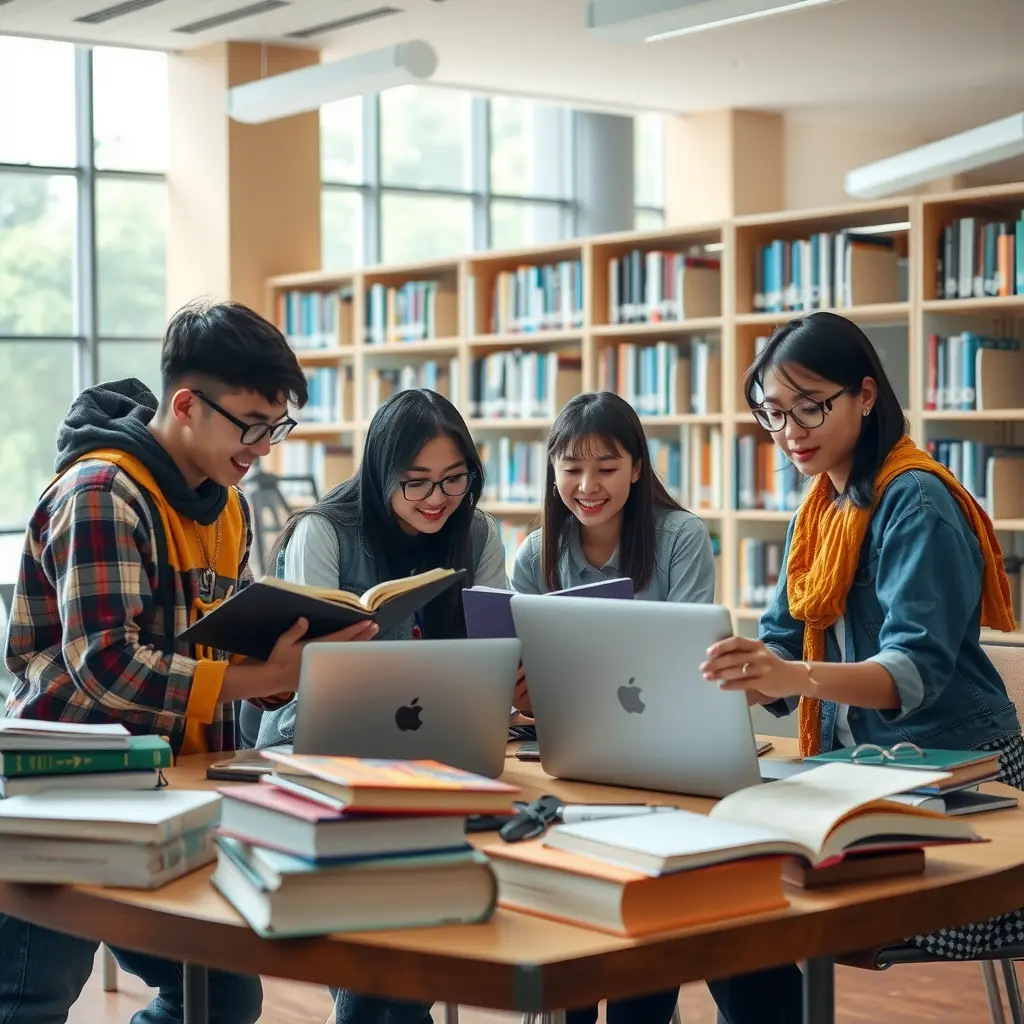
[
  {"x": 521, "y": 696},
  {"x": 749, "y": 665}
]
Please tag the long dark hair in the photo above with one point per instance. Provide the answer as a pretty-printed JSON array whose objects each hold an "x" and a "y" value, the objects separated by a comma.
[
  {"x": 837, "y": 350},
  {"x": 586, "y": 421},
  {"x": 400, "y": 428}
]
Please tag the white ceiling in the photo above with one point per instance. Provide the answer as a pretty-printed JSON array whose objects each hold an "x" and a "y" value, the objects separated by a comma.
[{"x": 925, "y": 66}]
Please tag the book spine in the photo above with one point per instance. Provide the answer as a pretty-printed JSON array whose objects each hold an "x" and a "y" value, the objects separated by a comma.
[{"x": 54, "y": 762}]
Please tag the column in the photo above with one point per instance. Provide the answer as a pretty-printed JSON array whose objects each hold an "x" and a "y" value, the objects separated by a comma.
[
  {"x": 603, "y": 173},
  {"x": 244, "y": 200}
]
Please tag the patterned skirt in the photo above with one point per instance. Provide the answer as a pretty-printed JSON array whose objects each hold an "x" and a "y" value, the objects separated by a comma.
[{"x": 973, "y": 940}]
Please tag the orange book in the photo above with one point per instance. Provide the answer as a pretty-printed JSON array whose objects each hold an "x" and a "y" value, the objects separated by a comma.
[
  {"x": 535, "y": 879},
  {"x": 395, "y": 787},
  {"x": 1005, "y": 264}
]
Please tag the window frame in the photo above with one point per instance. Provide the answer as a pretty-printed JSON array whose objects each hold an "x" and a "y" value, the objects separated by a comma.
[
  {"x": 480, "y": 191},
  {"x": 85, "y": 334}
]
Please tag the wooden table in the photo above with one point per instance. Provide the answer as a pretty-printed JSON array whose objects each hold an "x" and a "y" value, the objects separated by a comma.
[{"x": 529, "y": 964}]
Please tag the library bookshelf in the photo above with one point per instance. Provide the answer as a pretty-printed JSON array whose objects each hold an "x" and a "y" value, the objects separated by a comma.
[{"x": 470, "y": 326}]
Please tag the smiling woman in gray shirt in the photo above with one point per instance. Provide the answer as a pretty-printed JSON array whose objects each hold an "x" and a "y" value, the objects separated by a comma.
[{"x": 607, "y": 515}]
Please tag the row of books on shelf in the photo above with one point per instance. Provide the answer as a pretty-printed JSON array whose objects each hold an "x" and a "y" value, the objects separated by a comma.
[
  {"x": 440, "y": 375},
  {"x": 413, "y": 311},
  {"x": 545, "y": 297},
  {"x": 310, "y": 319},
  {"x": 829, "y": 270},
  {"x": 330, "y": 395},
  {"x": 523, "y": 385},
  {"x": 993, "y": 473},
  {"x": 656, "y": 287},
  {"x": 979, "y": 258},
  {"x": 759, "y": 563},
  {"x": 317, "y": 461},
  {"x": 971, "y": 371},
  {"x": 664, "y": 378},
  {"x": 765, "y": 478}
]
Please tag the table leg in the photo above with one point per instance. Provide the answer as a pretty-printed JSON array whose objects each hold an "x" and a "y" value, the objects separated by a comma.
[
  {"x": 195, "y": 994},
  {"x": 819, "y": 990}
]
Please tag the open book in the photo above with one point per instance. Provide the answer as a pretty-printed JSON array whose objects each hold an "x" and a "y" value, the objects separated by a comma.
[
  {"x": 489, "y": 610},
  {"x": 250, "y": 621},
  {"x": 820, "y": 816}
]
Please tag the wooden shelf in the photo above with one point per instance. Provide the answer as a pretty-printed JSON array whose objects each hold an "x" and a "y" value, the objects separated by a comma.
[
  {"x": 317, "y": 431},
  {"x": 324, "y": 356},
  {"x": 973, "y": 415},
  {"x": 763, "y": 515},
  {"x": 466, "y": 285},
  {"x": 432, "y": 346},
  {"x": 524, "y": 339},
  {"x": 882, "y": 312},
  {"x": 662, "y": 328},
  {"x": 990, "y": 304}
]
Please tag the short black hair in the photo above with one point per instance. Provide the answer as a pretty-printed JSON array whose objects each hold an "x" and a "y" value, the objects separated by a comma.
[
  {"x": 837, "y": 350},
  {"x": 230, "y": 344}
]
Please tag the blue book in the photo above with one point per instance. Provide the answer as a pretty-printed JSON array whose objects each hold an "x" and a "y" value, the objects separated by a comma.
[{"x": 489, "y": 610}]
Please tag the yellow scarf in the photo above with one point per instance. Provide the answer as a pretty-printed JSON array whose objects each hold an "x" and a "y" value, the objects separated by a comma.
[{"x": 825, "y": 550}]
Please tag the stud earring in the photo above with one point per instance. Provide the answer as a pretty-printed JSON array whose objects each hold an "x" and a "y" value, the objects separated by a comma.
[{"x": 867, "y": 412}]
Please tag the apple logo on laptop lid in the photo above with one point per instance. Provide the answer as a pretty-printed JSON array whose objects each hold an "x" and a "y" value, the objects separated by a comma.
[
  {"x": 629, "y": 698},
  {"x": 407, "y": 717}
]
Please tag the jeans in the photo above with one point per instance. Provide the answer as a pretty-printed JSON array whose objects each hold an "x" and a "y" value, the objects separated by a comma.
[
  {"x": 352, "y": 1008},
  {"x": 655, "y": 1008},
  {"x": 42, "y": 974},
  {"x": 774, "y": 996}
]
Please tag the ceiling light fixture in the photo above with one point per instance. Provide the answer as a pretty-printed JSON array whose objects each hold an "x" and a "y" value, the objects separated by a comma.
[
  {"x": 298, "y": 92},
  {"x": 967, "y": 151},
  {"x": 650, "y": 21}
]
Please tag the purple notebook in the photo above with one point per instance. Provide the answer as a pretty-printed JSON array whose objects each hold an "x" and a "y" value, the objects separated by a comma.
[{"x": 489, "y": 611}]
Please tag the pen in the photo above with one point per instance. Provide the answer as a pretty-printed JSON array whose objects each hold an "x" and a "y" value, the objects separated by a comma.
[{"x": 570, "y": 814}]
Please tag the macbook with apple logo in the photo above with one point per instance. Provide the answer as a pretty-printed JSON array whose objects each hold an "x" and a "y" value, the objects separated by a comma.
[
  {"x": 442, "y": 700},
  {"x": 618, "y": 696}
]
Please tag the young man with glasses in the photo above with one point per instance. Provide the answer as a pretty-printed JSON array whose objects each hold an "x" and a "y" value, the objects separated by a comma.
[{"x": 143, "y": 530}]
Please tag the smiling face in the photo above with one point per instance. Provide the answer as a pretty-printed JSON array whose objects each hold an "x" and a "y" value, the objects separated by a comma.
[
  {"x": 439, "y": 460},
  {"x": 595, "y": 485},
  {"x": 823, "y": 421},
  {"x": 213, "y": 442}
]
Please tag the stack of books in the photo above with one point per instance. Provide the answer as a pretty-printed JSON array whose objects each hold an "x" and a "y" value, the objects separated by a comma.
[
  {"x": 126, "y": 838},
  {"x": 329, "y": 844},
  {"x": 38, "y": 756},
  {"x": 658, "y": 872}
]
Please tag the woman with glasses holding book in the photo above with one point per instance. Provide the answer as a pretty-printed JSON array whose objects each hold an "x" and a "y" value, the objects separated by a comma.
[
  {"x": 891, "y": 570},
  {"x": 411, "y": 506}
]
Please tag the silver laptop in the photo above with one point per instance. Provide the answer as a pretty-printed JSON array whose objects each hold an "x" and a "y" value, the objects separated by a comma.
[
  {"x": 619, "y": 698},
  {"x": 442, "y": 700}
]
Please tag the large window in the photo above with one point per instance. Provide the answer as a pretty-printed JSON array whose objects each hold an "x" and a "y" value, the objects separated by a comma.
[
  {"x": 423, "y": 172},
  {"x": 83, "y": 213}
]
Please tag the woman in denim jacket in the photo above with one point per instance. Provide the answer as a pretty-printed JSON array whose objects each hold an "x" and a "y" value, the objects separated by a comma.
[
  {"x": 410, "y": 507},
  {"x": 891, "y": 570}
]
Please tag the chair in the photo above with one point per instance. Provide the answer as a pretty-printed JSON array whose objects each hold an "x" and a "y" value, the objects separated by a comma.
[{"x": 1009, "y": 663}]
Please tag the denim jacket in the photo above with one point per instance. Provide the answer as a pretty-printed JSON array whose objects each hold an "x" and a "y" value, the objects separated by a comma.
[
  {"x": 915, "y": 609},
  {"x": 319, "y": 555}
]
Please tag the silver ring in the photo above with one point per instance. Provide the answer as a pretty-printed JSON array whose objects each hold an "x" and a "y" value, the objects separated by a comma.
[{"x": 746, "y": 667}]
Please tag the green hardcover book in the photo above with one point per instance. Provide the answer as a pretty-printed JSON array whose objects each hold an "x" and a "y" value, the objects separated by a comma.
[{"x": 142, "y": 752}]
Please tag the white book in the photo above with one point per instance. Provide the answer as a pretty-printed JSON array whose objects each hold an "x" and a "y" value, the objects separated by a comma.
[
  {"x": 818, "y": 815},
  {"x": 113, "y": 816},
  {"x": 29, "y": 859},
  {"x": 147, "y": 778},
  {"x": 28, "y": 734}
]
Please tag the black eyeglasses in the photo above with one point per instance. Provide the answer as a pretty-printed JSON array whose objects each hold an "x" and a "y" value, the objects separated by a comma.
[
  {"x": 807, "y": 413},
  {"x": 420, "y": 490},
  {"x": 252, "y": 433}
]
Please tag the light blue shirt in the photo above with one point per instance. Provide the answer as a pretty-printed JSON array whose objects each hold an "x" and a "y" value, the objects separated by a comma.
[{"x": 684, "y": 564}]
